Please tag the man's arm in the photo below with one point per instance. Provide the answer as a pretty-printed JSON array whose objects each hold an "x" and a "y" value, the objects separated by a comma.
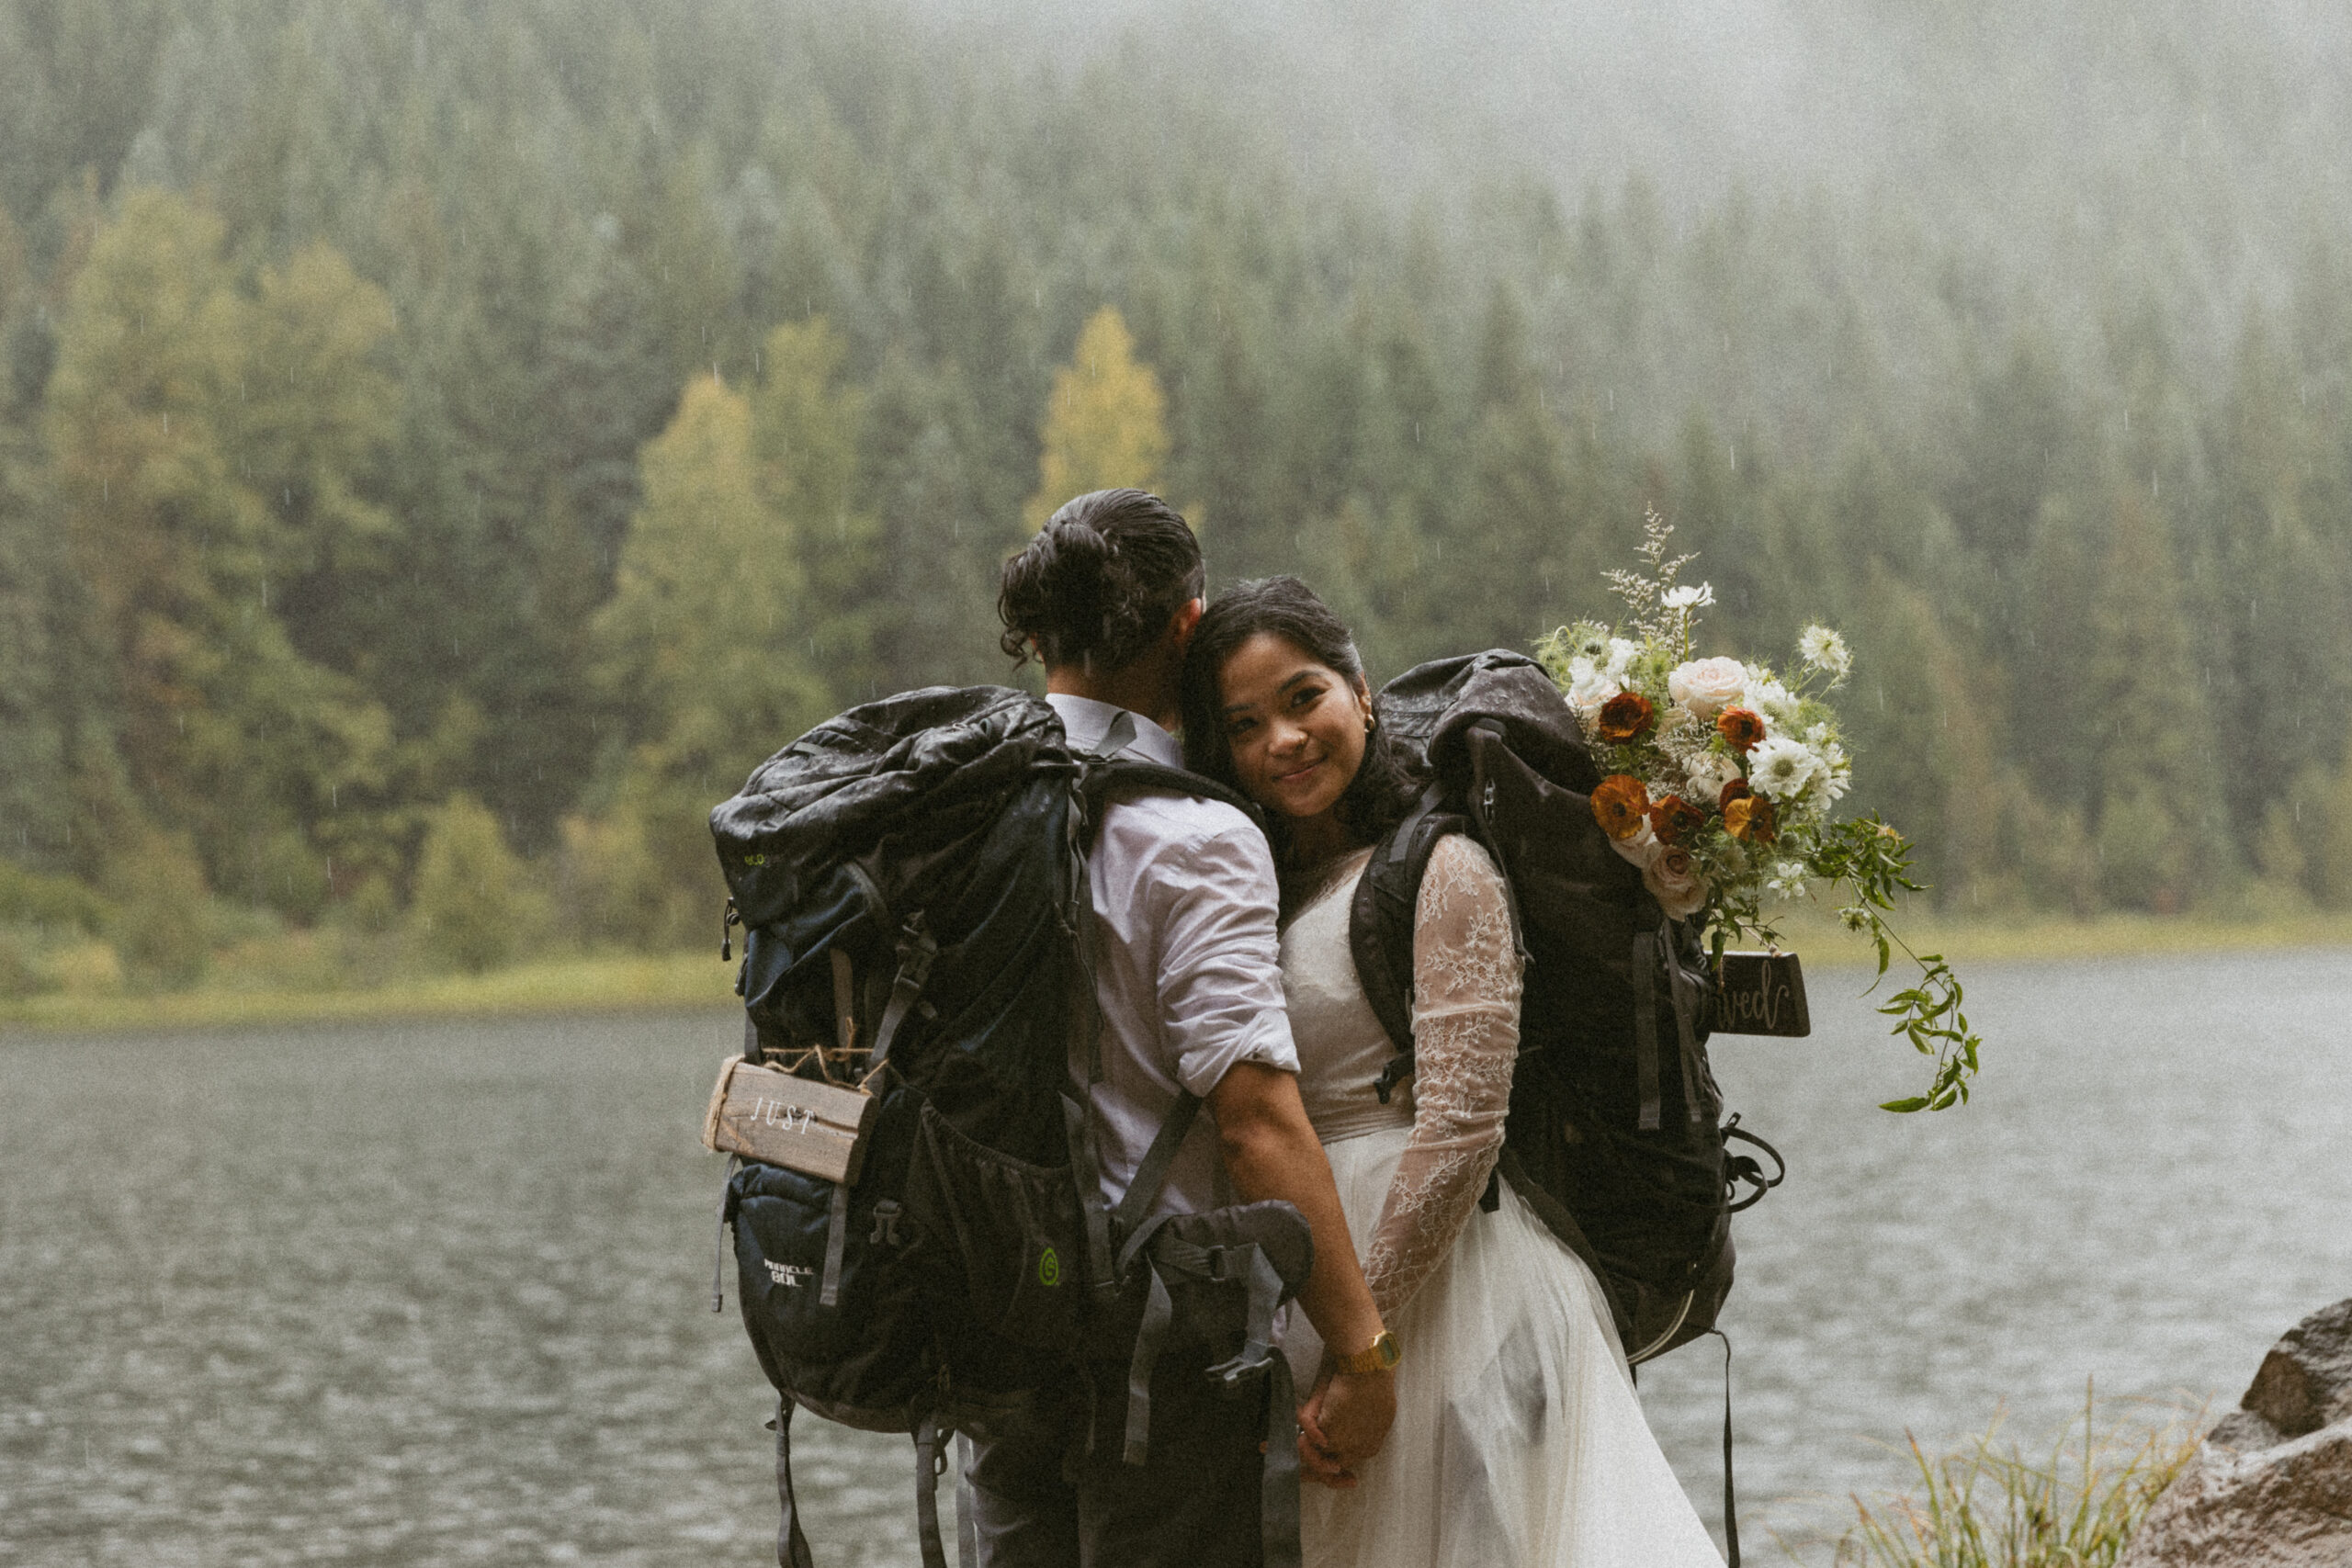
[
  {"x": 1221, "y": 995},
  {"x": 1271, "y": 1151}
]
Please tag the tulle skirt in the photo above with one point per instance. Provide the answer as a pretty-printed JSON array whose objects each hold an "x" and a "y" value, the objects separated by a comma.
[{"x": 1518, "y": 1440}]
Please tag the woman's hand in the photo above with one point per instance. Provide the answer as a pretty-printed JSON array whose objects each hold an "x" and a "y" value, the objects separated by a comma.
[
  {"x": 1344, "y": 1423},
  {"x": 1318, "y": 1461}
]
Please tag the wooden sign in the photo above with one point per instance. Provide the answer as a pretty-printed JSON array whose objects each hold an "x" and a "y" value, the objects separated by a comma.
[
  {"x": 1760, "y": 993},
  {"x": 818, "y": 1128}
]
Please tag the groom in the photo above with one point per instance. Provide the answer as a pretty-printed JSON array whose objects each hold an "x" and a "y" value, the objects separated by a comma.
[{"x": 1107, "y": 597}]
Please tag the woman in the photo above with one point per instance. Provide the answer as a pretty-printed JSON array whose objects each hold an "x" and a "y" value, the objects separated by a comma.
[{"x": 1517, "y": 1437}]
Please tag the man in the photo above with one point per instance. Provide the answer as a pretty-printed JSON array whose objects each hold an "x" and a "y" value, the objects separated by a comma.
[{"x": 1107, "y": 597}]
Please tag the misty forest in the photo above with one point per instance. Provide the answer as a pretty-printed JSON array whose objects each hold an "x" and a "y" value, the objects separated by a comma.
[{"x": 443, "y": 446}]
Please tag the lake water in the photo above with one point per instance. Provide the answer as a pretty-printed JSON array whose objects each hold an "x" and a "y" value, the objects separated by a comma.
[{"x": 439, "y": 1293}]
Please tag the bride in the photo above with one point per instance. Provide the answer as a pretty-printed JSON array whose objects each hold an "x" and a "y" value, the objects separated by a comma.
[{"x": 1517, "y": 1437}]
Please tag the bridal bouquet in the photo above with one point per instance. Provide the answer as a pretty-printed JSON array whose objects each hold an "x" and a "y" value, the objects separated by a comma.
[{"x": 1722, "y": 777}]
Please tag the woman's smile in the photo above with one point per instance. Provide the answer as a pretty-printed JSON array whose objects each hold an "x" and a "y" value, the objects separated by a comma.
[{"x": 1294, "y": 774}]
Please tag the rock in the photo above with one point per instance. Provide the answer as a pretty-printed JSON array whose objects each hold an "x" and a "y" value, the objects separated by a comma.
[{"x": 2272, "y": 1485}]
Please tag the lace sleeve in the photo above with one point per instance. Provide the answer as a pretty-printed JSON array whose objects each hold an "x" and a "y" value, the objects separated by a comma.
[{"x": 1465, "y": 1041}]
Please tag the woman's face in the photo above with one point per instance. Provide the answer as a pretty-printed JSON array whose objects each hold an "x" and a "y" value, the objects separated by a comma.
[{"x": 1295, "y": 726}]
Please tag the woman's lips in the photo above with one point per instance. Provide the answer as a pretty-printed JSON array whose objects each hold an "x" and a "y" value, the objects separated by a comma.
[{"x": 1297, "y": 773}]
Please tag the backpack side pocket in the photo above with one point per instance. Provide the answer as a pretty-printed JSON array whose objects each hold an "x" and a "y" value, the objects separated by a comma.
[{"x": 1013, "y": 1230}]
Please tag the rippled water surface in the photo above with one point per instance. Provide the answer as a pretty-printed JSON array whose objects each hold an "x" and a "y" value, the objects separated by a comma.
[{"x": 440, "y": 1293}]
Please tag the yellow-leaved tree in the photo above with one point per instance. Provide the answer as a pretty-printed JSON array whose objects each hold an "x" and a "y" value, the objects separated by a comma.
[
  {"x": 216, "y": 439},
  {"x": 1106, "y": 420},
  {"x": 726, "y": 634}
]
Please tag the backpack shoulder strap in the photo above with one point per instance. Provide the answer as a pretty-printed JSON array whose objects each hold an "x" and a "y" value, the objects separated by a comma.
[
  {"x": 1107, "y": 778},
  {"x": 1380, "y": 923}
]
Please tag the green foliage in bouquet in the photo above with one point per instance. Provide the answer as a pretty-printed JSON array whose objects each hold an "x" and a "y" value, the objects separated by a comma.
[{"x": 1721, "y": 784}]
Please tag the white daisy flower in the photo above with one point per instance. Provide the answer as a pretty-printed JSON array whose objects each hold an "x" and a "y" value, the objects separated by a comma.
[
  {"x": 1782, "y": 768},
  {"x": 1690, "y": 598}
]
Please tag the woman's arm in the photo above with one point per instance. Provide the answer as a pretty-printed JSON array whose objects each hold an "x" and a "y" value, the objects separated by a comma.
[{"x": 1465, "y": 1041}]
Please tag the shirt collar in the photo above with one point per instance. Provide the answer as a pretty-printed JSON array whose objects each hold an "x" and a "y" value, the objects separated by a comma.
[{"x": 1086, "y": 721}]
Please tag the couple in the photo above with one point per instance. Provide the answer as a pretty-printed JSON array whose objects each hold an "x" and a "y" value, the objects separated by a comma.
[{"x": 1468, "y": 1400}]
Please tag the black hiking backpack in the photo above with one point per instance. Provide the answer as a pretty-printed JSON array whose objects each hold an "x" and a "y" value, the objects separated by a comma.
[
  {"x": 911, "y": 879},
  {"x": 1616, "y": 1135}
]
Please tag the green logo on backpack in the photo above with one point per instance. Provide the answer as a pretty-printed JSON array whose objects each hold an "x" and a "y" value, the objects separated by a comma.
[{"x": 1049, "y": 1268}]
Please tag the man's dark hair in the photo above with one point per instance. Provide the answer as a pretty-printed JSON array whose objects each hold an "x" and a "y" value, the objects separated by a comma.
[
  {"x": 1098, "y": 584},
  {"x": 1385, "y": 787}
]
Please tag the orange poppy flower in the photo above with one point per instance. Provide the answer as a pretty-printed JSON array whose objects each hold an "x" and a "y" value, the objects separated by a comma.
[
  {"x": 1752, "y": 817},
  {"x": 1626, "y": 716},
  {"x": 1621, "y": 805},
  {"x": 1673, "y": 817},
  {"x": 1741, "y": 729}
]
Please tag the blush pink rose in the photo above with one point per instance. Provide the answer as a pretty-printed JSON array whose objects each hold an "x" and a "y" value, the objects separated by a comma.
[{"x": 1707, "y": 686}]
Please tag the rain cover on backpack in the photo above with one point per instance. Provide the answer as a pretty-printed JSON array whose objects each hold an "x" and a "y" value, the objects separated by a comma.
[
  {"x": 1613, "y": 1134},
  {"x": 905, "y": 873}
]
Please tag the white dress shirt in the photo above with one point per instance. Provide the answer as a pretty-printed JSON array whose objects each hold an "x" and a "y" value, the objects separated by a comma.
[{"x": 1188, "y": 966}]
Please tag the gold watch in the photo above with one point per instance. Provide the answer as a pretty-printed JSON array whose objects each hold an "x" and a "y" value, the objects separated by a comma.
[{"x": 1382, "y": 1355}]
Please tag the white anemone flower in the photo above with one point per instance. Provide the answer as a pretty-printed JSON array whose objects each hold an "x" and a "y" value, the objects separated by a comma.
[
  {"x": 1765, "y": 696},
  {"x": 1825, "y": 650},
  {"x": 1782, "y": 768},
  {"x": 1590, "y": 688},
  {"x": 1836, "y": 771},
  {"x": 1692, "y": 598},
  {"x": 1788, "y": 880}
]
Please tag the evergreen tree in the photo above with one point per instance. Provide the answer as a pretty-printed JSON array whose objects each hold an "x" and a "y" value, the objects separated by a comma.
[
  {"x": 941, "y": 541},
  {"x": 35, "y": 797},
  {"x": 1510, "y": 550},
  {"x": 2158, "y": 824},
  {"x": 806, "y": 423}
]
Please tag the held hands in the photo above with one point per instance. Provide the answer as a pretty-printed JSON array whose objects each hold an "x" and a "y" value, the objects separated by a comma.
[{"x": 1344, "y": 1423}]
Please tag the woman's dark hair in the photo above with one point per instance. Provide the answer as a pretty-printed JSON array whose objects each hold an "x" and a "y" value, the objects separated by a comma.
[
  {"x": 1385, "y": 785},
  {"x": 1098, "y": 584}
]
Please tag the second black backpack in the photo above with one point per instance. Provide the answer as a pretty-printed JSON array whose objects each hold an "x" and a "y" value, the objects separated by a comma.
[{"x": 1616, "y": 1135}]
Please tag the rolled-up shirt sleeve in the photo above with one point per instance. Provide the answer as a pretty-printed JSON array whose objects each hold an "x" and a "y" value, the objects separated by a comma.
[{"x": 1219, "y": 960}]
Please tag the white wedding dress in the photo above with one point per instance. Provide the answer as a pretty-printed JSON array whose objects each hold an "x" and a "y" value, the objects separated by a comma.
[{"x": 1519, "y": 1440}]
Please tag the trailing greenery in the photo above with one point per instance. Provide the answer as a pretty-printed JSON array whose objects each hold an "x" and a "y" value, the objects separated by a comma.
[
  {"x": 1990, "y": 1506},
  {"x": 558, "y": 405}
]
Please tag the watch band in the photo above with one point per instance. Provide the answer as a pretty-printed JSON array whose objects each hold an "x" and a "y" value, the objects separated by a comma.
[{"x": 1380, "y": 1355}]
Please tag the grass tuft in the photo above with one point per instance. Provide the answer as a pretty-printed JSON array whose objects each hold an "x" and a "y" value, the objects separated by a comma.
[{"x": 1988, "y": 1505}]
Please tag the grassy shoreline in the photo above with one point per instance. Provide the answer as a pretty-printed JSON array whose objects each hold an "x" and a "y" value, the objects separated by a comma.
[
  {"x": 674, "y": 981},
  {"x": 2046, "y": 939},
  {"x": 616, "y": 983}
]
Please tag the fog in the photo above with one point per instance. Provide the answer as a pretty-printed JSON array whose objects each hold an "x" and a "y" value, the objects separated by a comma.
[{"x": 1924, "y": 318}]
